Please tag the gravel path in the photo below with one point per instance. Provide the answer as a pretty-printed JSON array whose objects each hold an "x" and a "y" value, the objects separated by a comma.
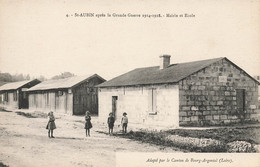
[{"x": 24, "y": 143}]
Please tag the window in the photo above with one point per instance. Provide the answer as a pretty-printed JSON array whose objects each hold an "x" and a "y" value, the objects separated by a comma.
[
  {"x": 15, "y": 96},
  {"x": 69, "y": 91},
  {"x": 1, "y": 98},
  {"x": 6, "y": 96},
  {"x": 60, "y": 93},
  {"x": 152, "y": 101}
]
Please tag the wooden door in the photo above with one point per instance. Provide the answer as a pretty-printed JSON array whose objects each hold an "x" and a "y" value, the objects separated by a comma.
[
  {"x": 24, "y": 99},
  {"x": 241, "y": 101}
]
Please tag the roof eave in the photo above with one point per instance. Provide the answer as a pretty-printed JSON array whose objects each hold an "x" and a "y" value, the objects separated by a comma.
[
  {"x": 12, "y": 89},
  {"x": 243, "y": 71},
  {"x": 47, "y": 89},
  {"x": 92, "y": 76},
  {"x": 132, "y": 85}
]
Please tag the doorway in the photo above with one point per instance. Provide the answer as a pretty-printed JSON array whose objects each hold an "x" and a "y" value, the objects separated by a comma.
[
  {"x": 24, "y": 99},
  {"x": 241, "y": 102}
]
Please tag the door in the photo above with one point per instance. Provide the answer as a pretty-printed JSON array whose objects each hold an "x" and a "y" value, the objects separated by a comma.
[
  {"x": 114, "y": 105},
  {"x": 241, "y": 102},
  {"x": 24, "y": 103}
]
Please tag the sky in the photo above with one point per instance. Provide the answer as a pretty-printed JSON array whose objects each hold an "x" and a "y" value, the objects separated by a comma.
[{"x": 37, "y": 38}]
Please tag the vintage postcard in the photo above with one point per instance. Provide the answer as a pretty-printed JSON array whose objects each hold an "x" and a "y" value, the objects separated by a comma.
[{"x": 129, "y": 83}]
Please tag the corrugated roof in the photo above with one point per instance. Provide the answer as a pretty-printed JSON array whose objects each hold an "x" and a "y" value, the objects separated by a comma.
[
  {"x": 61, "y": 83},
  {"x": 153, "y": 75},
  {"x": 14, "y": 85}
]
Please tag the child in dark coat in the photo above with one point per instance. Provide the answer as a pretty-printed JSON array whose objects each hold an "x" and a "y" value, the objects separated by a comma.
[
  {"x": 51, "y": 124},
  {"x": 110, "y": 122},
  {"x": 88, "y": 124}
]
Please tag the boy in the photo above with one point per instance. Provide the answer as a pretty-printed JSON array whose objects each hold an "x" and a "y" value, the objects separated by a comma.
[
  {"x": 124, "y": 122},
  {"x": 110, "y": 122}
]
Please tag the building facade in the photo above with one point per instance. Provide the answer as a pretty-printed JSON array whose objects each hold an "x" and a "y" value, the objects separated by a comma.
[
  {"x": 14, "y": 94},
  {"x": 73, "y": 96},
  {"x": 200, "y": 93},
  {"x": 258, "y": 79}
]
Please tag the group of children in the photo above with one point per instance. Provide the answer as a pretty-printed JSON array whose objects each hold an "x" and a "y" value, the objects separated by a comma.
[
  {"x": 88, "y": 125},
  {"x": 111, "y": 121}
]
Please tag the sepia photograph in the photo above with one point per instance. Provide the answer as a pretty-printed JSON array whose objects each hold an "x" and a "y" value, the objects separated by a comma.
[{"x": 129, "y": 83}]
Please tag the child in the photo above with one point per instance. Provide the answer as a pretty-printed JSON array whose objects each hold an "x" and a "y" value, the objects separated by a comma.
[
  {"x": 110, "y": 122},
  {"x": 88, "y": 124},
  {"x": 51, "y": 124},
  {"x": 124, "y": 122}
]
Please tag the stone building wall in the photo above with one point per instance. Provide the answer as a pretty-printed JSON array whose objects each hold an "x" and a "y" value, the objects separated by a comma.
[
  {"x": 136, "y": 102},
  {"x": 209, "y": 97}
]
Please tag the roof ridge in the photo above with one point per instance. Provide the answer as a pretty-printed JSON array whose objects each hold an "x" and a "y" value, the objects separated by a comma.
[
  {"x": 15, "y": 85},
  {"x": 152, "y": 74},
  {"x": 202, "y": 60},
  {"x": 182, "y": 63},
  {"x": 62, "y": 83}
]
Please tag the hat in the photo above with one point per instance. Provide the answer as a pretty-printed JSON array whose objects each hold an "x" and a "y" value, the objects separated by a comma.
[
  {"x": 124, "y": 113},
  {"x": 87, "y": 112},
  {"x": 111, "y": 113},
  {"x": 51, "y": 112}
]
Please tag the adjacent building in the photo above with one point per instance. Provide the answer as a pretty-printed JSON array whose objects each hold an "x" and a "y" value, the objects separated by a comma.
[
  {"x": 14, "y": 94},
  {"x": 199, "y": 93},
  {"x": 258, "y": 79},
  {"x": 74, "y": 95}
]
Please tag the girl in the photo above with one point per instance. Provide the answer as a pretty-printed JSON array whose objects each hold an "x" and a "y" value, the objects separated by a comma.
[
  {"x": 110, "y": 122},
  {"x": 88, "y": 124},
  {"x": 51, "y": 124}
]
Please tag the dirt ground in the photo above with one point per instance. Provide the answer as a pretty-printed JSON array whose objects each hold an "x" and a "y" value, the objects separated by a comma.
[{"x": 24, "y": 143}]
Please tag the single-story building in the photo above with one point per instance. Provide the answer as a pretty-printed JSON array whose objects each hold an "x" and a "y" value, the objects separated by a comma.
[
  {"x": 258, "y": 79},
  {"x": 74, "y": 95},
  {"x": 199, "y": 93},
  {"x": 14, "y": 95}
]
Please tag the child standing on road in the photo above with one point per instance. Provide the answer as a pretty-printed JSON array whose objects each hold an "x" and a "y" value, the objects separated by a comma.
[
  {"x": 124, "y": 122},
  {"x": 51, "y": 124},
  {"x": 110, "y": 122},
  {"x": 88, "y": 124}
]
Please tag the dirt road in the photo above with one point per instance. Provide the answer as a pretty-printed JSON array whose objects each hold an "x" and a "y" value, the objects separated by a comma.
[{"x": 24, "y": 143}]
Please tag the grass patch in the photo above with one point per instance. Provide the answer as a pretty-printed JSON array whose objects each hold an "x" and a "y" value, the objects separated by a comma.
[
  {"x": 152, "y": 137},
  {"x": 28, "y": 115},
  {"x": 32, "y": 115},
  {"x": 218, "y": 137},
  {"x": 226, "y": 135},
  {"x": 3, "y": 165},
  {"x": 160, "y": 138}
]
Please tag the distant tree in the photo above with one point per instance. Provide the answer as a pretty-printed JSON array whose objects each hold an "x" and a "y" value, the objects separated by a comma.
[
  {"x": 42, "y": 78},
  {"x": 27, "y": 77},
  {"x": 18, "y": 77},
  {"x": 63, "y": 75},
  {"x": 6, "y": 77}
]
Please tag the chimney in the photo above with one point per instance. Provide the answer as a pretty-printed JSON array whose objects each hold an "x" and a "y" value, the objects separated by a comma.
[{"x": 165, "y": 61}]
